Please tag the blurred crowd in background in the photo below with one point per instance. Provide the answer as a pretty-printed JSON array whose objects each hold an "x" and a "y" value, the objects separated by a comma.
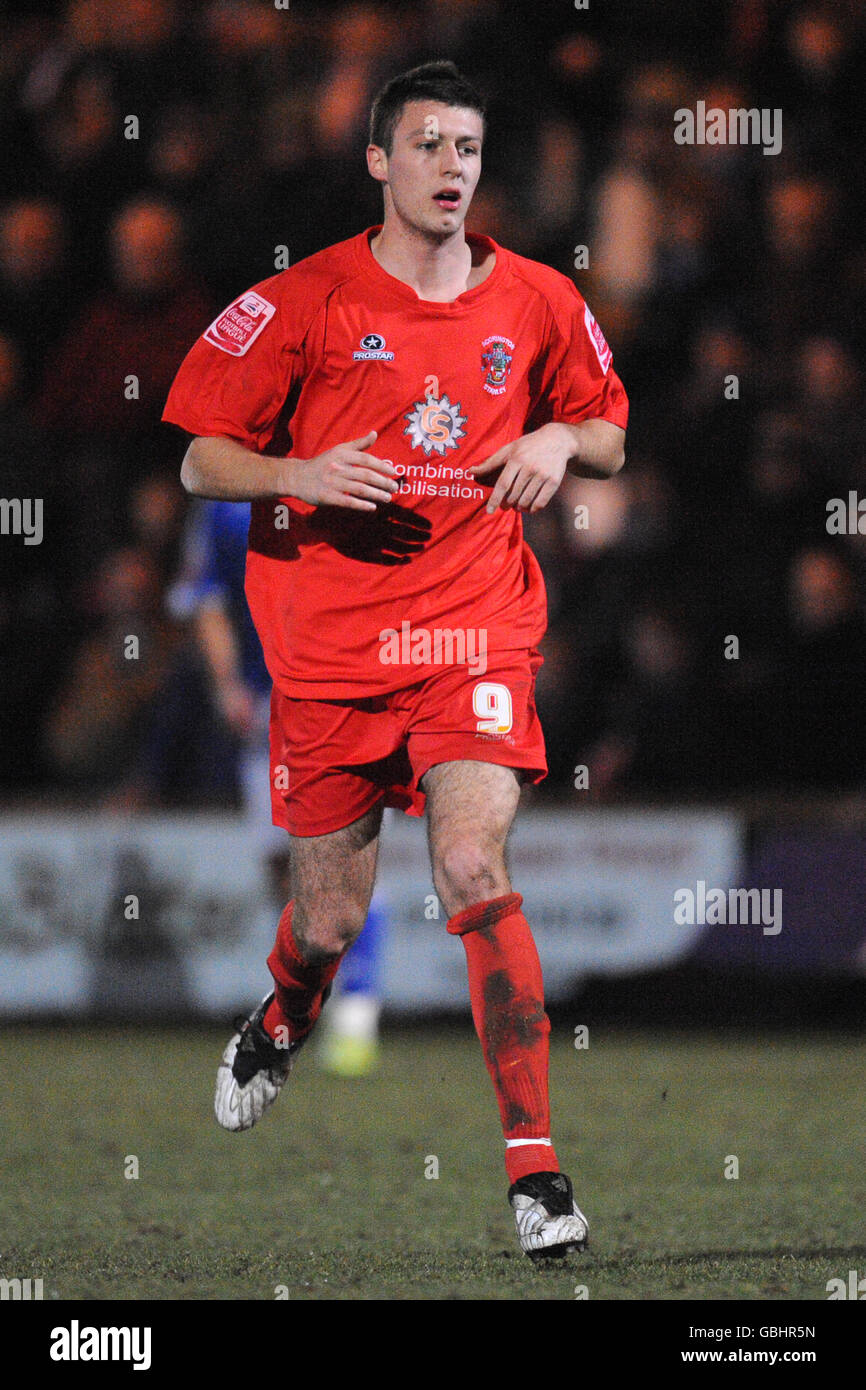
[{"x": 705, "y": 262}]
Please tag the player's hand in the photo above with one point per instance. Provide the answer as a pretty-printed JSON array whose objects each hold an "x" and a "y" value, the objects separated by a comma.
[
  {"x": 345, "y": 476},
  {"x": 237, "y": 705},
  {"x": 532, "y": 469}
]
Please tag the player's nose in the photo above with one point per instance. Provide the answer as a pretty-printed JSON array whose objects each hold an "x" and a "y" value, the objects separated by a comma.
[{"x": 449, "y": 164}]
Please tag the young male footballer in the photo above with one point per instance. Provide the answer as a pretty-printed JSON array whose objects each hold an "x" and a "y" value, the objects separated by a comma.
[{"x": 390, "y": 406}]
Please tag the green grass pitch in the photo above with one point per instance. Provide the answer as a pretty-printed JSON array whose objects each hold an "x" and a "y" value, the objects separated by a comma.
[{"x": 328, "y": 1197}]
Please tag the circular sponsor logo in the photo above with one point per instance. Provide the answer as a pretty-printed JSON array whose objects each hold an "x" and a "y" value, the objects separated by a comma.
[
  {"x": 372, "y": 342},
  {"x": 435, "y": 425}
]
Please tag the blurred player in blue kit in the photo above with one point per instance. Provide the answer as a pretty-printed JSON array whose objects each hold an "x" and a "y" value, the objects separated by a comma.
[{"x": 210, "y": 592}]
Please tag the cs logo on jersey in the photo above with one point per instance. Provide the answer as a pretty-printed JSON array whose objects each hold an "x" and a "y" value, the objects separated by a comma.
[
  {"x": 372, "y": 349},
  {"x": 435, "y": 425},
  {"x": 497, "y": 363}
]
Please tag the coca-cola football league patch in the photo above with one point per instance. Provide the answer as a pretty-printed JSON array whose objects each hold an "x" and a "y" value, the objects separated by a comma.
[
  {"x": 599, "y": 341},
  {"x": 240, "y": 324}
]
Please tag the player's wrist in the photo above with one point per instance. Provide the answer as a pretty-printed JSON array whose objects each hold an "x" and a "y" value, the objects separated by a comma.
[
  {"x": 565, "y": 438},
  {"x": 287, "y": 477}
]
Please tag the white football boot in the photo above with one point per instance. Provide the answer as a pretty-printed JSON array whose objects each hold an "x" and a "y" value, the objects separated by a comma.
[
  {"x": 549, "y": 1221},
  {"x": 252, "y": 1072}
]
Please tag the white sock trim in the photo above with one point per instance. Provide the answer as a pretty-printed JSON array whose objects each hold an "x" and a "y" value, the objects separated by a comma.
[{"x": 521, "y": 1143}]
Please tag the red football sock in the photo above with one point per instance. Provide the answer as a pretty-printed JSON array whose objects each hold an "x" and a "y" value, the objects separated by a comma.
[
  {"x": 507, "y": 995},
  {"x": 298, "y": 986}
]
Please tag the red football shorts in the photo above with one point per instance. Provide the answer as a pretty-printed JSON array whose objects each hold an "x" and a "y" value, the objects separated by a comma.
[{"x": 334, "y": 760}]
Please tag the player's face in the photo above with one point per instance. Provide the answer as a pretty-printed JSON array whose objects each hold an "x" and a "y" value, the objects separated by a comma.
[{"x": 433, "y": 167}]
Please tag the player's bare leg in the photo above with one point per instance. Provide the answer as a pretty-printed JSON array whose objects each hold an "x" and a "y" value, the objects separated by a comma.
[
  {"x": 332, "y": 884},
  {"x": 332, "y": 881},
  {"x": 471, "y": 806}
]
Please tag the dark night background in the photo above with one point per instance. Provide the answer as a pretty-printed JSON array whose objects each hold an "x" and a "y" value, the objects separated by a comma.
[{"x": 703, "y": 261}]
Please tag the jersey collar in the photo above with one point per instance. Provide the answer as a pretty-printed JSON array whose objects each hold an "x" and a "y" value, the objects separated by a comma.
[{"x": 398, "y": 289}]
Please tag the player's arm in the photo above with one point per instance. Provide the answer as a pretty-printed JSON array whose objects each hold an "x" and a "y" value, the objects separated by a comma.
[
  {"x": 219, "y": 646},
  {"x": 598, "y": 448},
  {"x": 533, "y": 466},
  {"x": 345, "y": 476}
]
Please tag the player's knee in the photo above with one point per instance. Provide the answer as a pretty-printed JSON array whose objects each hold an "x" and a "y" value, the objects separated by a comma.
[
  {"x": 466, "y": 873},
  {"x": 326, "y": 930}
]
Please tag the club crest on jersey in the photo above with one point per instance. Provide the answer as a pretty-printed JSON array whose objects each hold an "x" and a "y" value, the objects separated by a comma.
[
  {"x": 435, "y": 425},
  {"x": 599, "y": 342},
  {"x": 372, "y": 349},
  {"x": 496, "y": 361},
  {"x": 240, "y": 324}
]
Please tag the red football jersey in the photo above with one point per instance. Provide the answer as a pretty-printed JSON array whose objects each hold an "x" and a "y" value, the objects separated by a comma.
[{"x": 349, "y": 603}]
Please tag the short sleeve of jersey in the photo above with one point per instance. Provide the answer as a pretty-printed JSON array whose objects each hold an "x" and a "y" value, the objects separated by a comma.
[
  {"x": 578, "y": 381},
  {"x": 236, "y": 378}
]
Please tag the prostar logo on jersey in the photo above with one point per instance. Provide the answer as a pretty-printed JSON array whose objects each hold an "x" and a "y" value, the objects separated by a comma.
[
  {"x": 435, "y": 425},
  {"x": 372, "y": 349},
  {"x": 599, "y": 341},
  {"x": 240, "y": 324},
  {"x": 496, "y": 362}
]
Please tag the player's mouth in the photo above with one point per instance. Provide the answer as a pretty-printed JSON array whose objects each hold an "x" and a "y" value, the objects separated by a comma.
[{"x": 448, "y": 198}]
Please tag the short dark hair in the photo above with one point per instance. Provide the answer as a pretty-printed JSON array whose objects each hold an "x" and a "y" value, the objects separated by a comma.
[{"x": 440, "y": 81}]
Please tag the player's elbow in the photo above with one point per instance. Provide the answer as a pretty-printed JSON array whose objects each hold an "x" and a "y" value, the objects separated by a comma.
[
  {"x": 617, "y": 460},
  {"x": 604, "y": 465},
  {"x": 612, "y": 450},
  {"x": 191, "y": 478}
]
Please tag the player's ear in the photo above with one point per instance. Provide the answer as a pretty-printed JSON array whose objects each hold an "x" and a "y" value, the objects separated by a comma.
[{"x": 377, "y": 163}]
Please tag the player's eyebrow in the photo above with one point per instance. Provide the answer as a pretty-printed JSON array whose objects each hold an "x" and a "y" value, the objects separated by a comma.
[{"x": 459, "y": 139}]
